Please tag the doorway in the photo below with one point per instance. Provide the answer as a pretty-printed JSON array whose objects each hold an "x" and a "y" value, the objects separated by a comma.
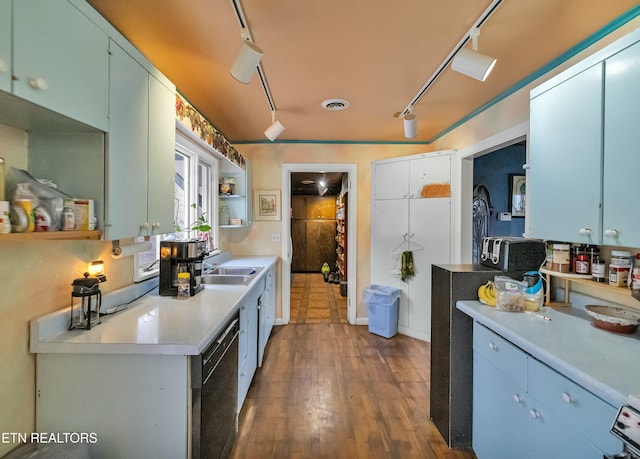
[{"x": 339, "y": 183}]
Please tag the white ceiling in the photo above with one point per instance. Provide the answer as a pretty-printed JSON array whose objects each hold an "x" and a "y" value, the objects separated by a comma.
[{"x": 377, "y": 54}]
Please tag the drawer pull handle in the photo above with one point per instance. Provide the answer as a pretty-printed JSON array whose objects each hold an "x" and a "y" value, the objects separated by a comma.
[
  {"x": 568, "y": 398},
  {"x": 517, "y": 398},
  {"x": 493, "y": 346},
  {"x": 535, "y": 414}
]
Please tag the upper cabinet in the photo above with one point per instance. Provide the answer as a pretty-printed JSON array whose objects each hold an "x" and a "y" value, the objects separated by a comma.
[
  {"x": 413, "y": 179},
  {"x": 140, "y": 151},
  {"x": 60, "y": 59},
  {"x": 621, "y": 222},
  {"x": 582, "y": 150},
  {"x": 5, "y": 45}
]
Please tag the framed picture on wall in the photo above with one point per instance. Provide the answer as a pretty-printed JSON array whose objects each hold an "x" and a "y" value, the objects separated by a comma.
[
  {"x": 518, "y": 195},
  {"x": 266, "y": 205}
]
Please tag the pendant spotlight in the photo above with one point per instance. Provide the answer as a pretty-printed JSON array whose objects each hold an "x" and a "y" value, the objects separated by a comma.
[
  {"x": 247, "y": 60},
  {"x": 410, "y": 125},
  {"x": 275, "y": 129},
  {"x": 472, "y": 63}
]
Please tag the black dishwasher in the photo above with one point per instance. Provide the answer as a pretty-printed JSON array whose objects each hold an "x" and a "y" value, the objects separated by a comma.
[{"x": 214, "y": 395}]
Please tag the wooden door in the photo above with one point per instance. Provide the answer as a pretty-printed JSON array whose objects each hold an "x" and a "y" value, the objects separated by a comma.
[
  {"x": 321, "y": 244},
  {"x": 299, "y": 243}
]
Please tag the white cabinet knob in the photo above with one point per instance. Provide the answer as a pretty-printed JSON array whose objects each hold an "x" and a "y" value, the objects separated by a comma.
[
  {"x": 493, "y": 346},
  {"x": 144, "y": 226},
  {"x": 517, "y": 398},
  {"x": 611, "y": 233},
  {"x": 405, "y": 195},
  {"x": 38, "y": 83},
  {"x": 585, "y": 231},
  {"x": 535, "y": 414},
  {"x": 3, "y": 66},
  {"x": 567, "y": 397},
  {"x": 156, "y": 225}
]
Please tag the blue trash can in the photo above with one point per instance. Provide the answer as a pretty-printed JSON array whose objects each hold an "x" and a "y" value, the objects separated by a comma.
[{"x": 382, "y": 304}]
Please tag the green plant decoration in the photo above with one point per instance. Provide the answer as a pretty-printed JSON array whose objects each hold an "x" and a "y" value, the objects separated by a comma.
[{"x": 201, "y": 225}]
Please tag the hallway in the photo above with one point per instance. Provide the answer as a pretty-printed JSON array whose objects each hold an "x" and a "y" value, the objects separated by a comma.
[
  {"x": 315, "y": 301},
  {"x": 333, "y": 391}
]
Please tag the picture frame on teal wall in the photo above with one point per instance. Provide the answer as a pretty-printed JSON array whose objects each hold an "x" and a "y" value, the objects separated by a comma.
[{"x": 517, "y": 195}]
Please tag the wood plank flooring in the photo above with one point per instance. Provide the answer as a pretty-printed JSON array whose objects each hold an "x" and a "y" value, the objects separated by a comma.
[
  {"x": 315, "y": 301},
  {"x": 337, "y": 391}
]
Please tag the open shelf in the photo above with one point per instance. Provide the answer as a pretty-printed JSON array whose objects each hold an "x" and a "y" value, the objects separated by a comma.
[
  {"x": 52, "y": 235},
  {"x": 583, "y": 279}
]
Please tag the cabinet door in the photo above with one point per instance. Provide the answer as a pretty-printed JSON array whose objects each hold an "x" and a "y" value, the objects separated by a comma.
[
  {"x": 621, "y": 140},
  {"x": 429, "y": 228},
  {"x": 389, "y": 228},
  {"x": 391, "y": 180},
  {"x": 267, "y": 312},
  {"x": 321, "y": 207},
  {"x": 299, "y": 245},
  {"x": 321, "y": 244},
  {"x": 161, "y": 159},
  {"x": 428, "y": 170},
  {"x": 126, "y": 209},
  {"x": 500, "y": 410},
  {"x": 550, "y": 436},
  {"x": 5, "y": 45},
  {"x": 60, "y": 59},
  {"x": 565, "y": 160},
  {"x": 299, "y": 207}
]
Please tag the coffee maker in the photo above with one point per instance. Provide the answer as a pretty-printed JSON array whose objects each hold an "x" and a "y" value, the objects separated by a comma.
[{"x": 177, "y": 257}]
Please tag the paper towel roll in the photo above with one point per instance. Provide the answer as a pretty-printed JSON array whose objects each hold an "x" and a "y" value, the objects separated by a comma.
[{"x": 128, "y": 250}]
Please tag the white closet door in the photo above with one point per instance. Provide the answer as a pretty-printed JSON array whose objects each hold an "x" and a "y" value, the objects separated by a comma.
[
  {"x": 430, "y": 224},
  {"x": 391, "y": 180},
  {"x": 390, "y": 223}
]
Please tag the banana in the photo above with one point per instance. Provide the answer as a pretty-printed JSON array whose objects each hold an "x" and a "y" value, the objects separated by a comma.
[{"x": 487, "y": 294}]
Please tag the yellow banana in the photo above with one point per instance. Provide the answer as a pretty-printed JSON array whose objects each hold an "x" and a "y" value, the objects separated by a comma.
[{"x": 487, "y": 294}]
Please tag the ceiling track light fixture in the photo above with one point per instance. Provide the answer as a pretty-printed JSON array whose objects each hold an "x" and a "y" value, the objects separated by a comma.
[
  {"x": 472, "y": 63},
  {"x": 481, "y": 20},
  {"x": 247, "y": 61},
  {"x": 276, "y": 127},
  {"x": 410, "y": 125}
]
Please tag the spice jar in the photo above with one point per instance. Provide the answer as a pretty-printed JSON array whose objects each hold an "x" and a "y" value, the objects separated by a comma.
[
  {"x": 575, "y": 250},
  {"x": 561, "y": 258},
  {"x": 184, "y": 284},
  {"x": 582, "y": 264},
  {"x": 598, "y": 269}
]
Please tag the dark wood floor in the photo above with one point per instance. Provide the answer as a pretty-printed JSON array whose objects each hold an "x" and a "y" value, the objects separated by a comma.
[{"x": 337, "y": 391}]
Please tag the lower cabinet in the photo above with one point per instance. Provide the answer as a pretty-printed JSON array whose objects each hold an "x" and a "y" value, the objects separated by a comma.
[
  {"x": 248, "y": 344},
  {"x": 523, "y": 408}
]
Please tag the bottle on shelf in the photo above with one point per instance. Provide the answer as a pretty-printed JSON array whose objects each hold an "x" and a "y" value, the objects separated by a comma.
[{"x": 634, "y": 282}]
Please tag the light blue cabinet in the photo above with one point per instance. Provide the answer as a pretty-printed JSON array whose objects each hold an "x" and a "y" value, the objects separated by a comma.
[
  {"x": 565, "y": 148},
  {"x": 126, "y": 212},
  {"x": 621, "y": 220},
  {"x": 161, "y": 160},
  {"x": 60, "y": 60},
  {"x": 523, "y": 408},
  {"x": 583, "y": 161},
  {"x": 5, "y": 45},
  {"x": 140, "y": 151}
]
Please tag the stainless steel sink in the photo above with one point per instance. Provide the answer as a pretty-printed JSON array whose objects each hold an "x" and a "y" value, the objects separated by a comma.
[
  {"x": 241, "y": 271},
  {"x": 231, "y": 276},
  {"x": 229, "y": 279}
]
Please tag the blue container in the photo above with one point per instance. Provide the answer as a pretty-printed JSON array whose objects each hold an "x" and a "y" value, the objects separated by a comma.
[{"x": 382, "y": 303}]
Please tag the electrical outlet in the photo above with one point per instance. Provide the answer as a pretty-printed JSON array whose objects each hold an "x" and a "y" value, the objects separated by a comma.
[{"x": 275, "y": 237}]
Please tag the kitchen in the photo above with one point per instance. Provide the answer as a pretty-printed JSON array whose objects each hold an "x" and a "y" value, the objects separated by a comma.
[{"x": 38, "y": 273}]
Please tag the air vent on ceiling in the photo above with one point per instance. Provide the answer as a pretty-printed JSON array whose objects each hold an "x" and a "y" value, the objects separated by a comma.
[{"x": 335, "y": 105}]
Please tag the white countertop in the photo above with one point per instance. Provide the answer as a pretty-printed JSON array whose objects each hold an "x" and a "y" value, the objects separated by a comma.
[
  {"x": 153, "y": 324},
  {"x": 605, "y": 363}
]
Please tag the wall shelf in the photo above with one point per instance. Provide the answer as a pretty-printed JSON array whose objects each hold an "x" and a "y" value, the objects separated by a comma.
[
  {"x": 578, "y": 279},
  {"x": 52, "y": 235}
]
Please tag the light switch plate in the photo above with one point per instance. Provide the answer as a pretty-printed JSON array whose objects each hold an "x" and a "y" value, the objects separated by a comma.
[
  {"x": 275, "y": 237},
  {"x": 504, "y": 216}
]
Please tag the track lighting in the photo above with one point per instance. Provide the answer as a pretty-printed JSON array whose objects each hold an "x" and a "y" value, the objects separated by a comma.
[
  {"x": 275, "y": 129},
  {"x": 472, "y": 63},
  {"x": 410, "y": 125},
  {"x": 247, "y": 60}
]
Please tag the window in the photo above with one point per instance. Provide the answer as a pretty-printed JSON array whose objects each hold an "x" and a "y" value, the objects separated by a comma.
[{"x": 195, "y": 172}]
